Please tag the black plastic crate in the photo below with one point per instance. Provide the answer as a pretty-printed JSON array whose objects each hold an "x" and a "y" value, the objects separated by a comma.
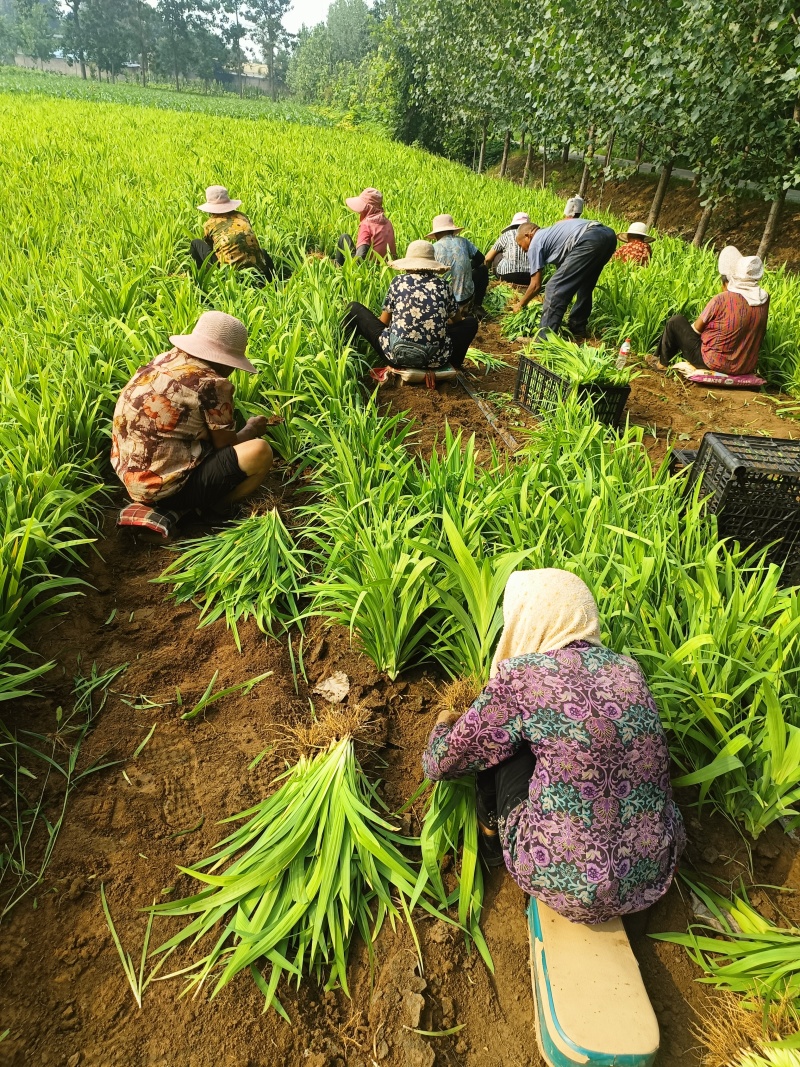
[
  {"x": 753, "y": 487},
  {"x": 681, "y": 458},
  {"x": 541, "y": 391}
]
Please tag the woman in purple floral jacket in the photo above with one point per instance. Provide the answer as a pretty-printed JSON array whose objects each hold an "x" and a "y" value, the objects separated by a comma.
[{"x": 571, "y": 759}]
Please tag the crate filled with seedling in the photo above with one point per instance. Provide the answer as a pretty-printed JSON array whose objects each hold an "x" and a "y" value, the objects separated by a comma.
[
  {"x": 752, "y": 485},
  {"x": 561, "y": 367}
]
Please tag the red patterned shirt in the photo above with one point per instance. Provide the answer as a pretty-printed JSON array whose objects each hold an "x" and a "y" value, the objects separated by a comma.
[
  {"x": 638, "y": 252},
  {"x": 733, "y": 332},
  {"x": 162, "y": 424}
]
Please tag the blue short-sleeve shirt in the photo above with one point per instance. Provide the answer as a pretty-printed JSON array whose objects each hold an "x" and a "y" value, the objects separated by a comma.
[
  {"x": 456, "y": 253},
  {"x": 548, "y": 244}
]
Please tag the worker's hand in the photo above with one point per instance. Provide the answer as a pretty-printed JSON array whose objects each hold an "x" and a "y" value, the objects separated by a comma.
[
  {"x": 256, "y": 426},
  {"x": 516, "y": 307},
  {"x": 447, "y": 718}
]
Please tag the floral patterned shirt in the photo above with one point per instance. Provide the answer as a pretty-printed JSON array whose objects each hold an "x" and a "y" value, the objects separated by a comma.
[
  {"x": 599, "y": 835},
  {"x": 233, "y": 239},
  {"x": 162, "y": 424},
  {"x": 420, "y": 305},
  {"x": 636, "y": 252}
]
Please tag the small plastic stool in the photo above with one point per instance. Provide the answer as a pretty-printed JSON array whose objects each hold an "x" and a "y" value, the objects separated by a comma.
[{"x": 591, "y": 1004}]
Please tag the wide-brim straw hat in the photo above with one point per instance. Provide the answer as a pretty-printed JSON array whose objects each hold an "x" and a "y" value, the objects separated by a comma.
[
  {"x": 217, "y": 338},
  {"x": 218, "y": 202},
  {"x": 728, "y": 261},
  {"x": 638, "y": 230},
  {"x": 519, "y": 218},
  {"x": 419, "y": 256},
  {"x": 443, "y": 224},
  {"x": 366, "y": 198}
]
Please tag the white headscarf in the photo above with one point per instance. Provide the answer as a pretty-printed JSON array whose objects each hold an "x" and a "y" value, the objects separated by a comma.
[
  {"x": 743, "y": 274},
  {"x": 544, "y": 610}
]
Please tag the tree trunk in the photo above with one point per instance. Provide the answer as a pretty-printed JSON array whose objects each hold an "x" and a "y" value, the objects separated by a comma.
[
  {"x": 83, "y": 66},
  {"x": 609, "y": 149},
  {"x": 528, "y": 159},
  {"x": 587, "y": 158},
  {"x": 661, "y": 192},
  {"x": 772, "y": 225},
  {"x": 544, "y": 163},
  {"x": 504, "y": 160},
  {"x": 639, "y": 154},
  {"x": 522, "y": 141},
  {"x": 474, "y": 153},
  {"x": 565, "y": 153},
  {"x": 702, "y": 226},
  {"x": 482, "y": 156}
]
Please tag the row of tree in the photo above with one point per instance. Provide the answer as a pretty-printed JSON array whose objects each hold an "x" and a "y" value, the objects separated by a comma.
[
  {"x": 713, "y": 85},
  {"x": 170, "y": 40}
]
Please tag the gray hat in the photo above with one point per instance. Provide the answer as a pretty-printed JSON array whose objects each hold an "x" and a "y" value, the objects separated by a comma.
[
  {"x": 574, "y": 206},
  {"x": 217, "y": 338}
]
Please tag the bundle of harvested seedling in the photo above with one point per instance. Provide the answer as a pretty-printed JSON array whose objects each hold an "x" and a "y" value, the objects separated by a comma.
[{"x": 312, "y": 863}]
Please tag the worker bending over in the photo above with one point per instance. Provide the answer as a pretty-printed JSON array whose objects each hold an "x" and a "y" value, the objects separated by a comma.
[
  {"x": 419, "y": 327},
  {"x": 579, "y": 249},
  {"x": 375, "y": 232},
  {"x": 173, "y": 436},
  {"x": 635, "y": 247},
  {"x": 730, "y": 330},
  {"x": 228, "y": 238},
  {"x": 572, "y": 764},
  {"x": 469, "y": 275}
]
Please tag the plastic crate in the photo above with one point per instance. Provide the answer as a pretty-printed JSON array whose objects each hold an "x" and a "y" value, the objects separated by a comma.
[
  {"x": 541, "y": 391},
  {"x": 681, "y": 458},
  {"x": 753, "y": 487}
]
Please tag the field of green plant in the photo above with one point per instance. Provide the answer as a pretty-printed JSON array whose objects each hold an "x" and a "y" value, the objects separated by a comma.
[{"x": 411, "y": 554}]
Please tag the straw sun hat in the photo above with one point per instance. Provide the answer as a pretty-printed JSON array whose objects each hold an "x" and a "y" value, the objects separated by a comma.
[
  {"x": 419, "y": 256},
  {"x": 443, "y": 224},
  {"x": 217, "y": 338},
  {"x": 218, "y": 202},
  {"x": 636, "y": 229},
  {"x": 519, "y": 218}
]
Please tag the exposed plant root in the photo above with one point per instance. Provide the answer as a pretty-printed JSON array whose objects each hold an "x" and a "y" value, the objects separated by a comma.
[
  {"x": 728, "y": 1030},
  {"x": 335, "y": 722},
  {"x": 457, "y": 695}
]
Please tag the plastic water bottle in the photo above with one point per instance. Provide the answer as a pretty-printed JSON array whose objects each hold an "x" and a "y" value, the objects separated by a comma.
[{"x": 624, "y": 352}]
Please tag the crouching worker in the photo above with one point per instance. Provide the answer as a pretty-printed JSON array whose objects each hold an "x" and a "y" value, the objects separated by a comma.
[
  {"x": 417, "y": 329},
  {"x": 228, "y": 238},
  {"x": 507, "y": 259},
  {"x": 375, "y": 232},
  {"x": 469, "y": 275},
  {"x": 173, "y": 442},
  {"x": 727, "y": 336},
  {"x": 571, "y": 760}
]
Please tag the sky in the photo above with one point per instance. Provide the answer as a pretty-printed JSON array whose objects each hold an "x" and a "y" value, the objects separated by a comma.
[{"x": 309, "y": 12}]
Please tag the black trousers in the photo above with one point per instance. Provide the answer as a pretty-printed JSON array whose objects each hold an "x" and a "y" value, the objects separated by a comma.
[
  {"x": 516, "y": 277},
  {"x": 501, "y": 788},
  {"x": 363, "y": 322},
  {"x": 480, "y": 279},
  {"x": 577, "y": 276},
  {"x": 678, "y": 336},
  {"x": 201, "y": 250}
]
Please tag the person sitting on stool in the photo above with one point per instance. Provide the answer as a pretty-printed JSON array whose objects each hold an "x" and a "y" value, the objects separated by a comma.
[
  {"x": 728, "y": 334},
  {"x": 580, "y": 249},
  {"x": 375, "y": 232},
  {"x": 228, "y": 238},
  {"x": 418, "y": 328},
  {"x": 571, "y": 760}
]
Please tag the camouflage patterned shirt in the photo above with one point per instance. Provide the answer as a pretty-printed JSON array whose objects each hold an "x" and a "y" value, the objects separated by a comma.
[
  {"x": 232, "y": 239},
  {"x": 162, "y": 424}
]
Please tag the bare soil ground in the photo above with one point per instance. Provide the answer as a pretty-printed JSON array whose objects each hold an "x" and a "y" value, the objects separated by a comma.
[{"x": 65, "y": 999}]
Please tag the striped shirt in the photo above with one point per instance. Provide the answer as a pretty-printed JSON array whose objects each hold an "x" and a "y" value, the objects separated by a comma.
[
  {"x": 733, "y": 332},
  {"x": 511, "y": 259}
]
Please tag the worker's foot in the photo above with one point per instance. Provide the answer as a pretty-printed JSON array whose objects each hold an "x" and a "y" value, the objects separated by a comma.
[
  {"x": 654, "y": 363},
  {"x": 489, "y": 847}
]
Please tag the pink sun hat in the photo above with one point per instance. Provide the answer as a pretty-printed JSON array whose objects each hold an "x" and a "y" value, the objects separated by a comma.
[
  {"x": 366, "y": 198},
  {"x": 218, "y": 202}
]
